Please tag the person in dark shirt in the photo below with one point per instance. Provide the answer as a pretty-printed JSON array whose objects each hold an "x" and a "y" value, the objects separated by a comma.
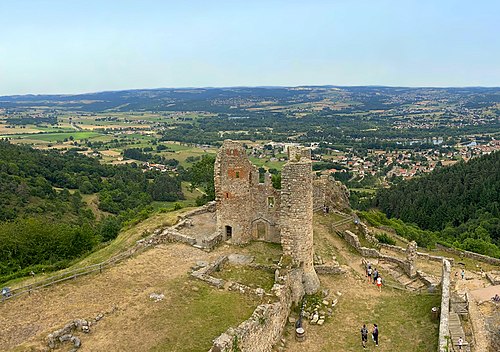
[
  {"x": 364, "y": 335},
  {"x": 375, "y": 334}
]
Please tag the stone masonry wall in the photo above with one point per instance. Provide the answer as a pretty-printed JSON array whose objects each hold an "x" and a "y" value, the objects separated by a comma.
[
  {"x": 445, "y": 307},
  {"x": 353, "y": 240},
  {"x": 248, "y": 208},
  {"x": 266, "y": 202},
  {"x": 264, "y": 328},
  {"x": 471, "y": 255},
  {"x": 296, "y": 218},
  {"x": 232, "y": 181}
]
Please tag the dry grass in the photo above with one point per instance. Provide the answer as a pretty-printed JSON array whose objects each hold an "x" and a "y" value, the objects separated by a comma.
[
  {"x": 186, "y": 320},
  {"x": 404, "y": 320},
  {"x": 247, "y": 276},
  {"x": 192, "y": 313},
  {"x": 400, "y": 315}
]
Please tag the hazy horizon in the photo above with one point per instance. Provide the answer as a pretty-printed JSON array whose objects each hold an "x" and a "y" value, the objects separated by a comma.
[
  {"x": 242, "y": 86},
  {"x": 77, "y": 47}
]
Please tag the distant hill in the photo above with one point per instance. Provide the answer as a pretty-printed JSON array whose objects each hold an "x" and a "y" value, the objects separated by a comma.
[
  {"x": 462, "y": 201},
  {"x": 225, "y": 100}
]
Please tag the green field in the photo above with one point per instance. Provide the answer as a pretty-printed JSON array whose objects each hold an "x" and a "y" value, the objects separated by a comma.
[
  {"x": 56, "y": 137},
  {"x": 267, "y": 164}
]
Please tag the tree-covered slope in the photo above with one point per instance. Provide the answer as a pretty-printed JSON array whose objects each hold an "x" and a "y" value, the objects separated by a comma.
[
  {"x": 44, "y": 222},
  {"x": 462, "y": 201}
]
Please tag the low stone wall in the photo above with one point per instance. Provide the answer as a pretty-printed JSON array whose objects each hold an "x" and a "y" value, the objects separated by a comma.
[
  {"x": 434, "y": 258},
  {"x": 445, "y": 307},
  {"x": 329, "y": 269},
  {"x": 352, "y": 239},
  {"x": 211, "y": 242},
  {"x": 205, "y": 273},
  {"x": 369, "y": 252},
  {"x": 264, "y": 328},
  {"x": 421, "y": 255},
  {"x": 471, "y": 255},
  {"x": 392, "y": 248},
  {"x": 170, "y": 235},
  {"x": 372, "y": 239},
  {"x": 207, "y": 208},
  {"x": 494, "y": 277},
  {"x": 401, "y": 263}
]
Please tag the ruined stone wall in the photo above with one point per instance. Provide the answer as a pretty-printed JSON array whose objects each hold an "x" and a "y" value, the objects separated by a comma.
[
  {"x": 266, "y": 203},
  {"x": 353, "y": 240},
  {"x": 445, "y": 308},
  {"x": 264, "y": 328},
  {"x": 471, "y": 255},
  {"x": 248, "y": 208},
  {"x": 296, "y": 217},
  {"x": 233, "y": 191}
]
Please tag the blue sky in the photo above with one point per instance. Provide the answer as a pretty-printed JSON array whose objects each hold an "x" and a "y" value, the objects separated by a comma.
[{"x": 71, "y": 46}]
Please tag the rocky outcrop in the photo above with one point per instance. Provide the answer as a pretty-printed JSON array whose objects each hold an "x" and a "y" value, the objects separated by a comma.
[{"x": 331, "y": 193}]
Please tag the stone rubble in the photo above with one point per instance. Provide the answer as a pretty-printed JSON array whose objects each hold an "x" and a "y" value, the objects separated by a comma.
[
  {"x": 157, "y": 297},
  {"x": 66, "y": 334}
]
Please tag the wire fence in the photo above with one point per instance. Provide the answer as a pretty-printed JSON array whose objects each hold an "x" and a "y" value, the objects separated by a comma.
[{"x": 71, "y": 274}]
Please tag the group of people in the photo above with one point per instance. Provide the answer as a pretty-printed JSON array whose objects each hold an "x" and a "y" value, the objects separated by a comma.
[
  {"x": 364, "y": 335},
  {"x": 374, "y": 276}
]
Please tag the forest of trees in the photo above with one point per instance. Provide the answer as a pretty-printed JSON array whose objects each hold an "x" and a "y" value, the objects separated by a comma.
[
  {"x": 44, "y": 222},
  {"x": 462, "y": 202}
]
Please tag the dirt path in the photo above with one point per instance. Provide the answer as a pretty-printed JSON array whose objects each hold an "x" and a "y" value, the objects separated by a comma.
[
  {"x": 478, "y": 290},
  {"x": 477, "y": 320}
]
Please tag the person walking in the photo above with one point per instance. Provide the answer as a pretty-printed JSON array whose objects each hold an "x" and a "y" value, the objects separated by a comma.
[
  {"x": 375, "y": 334},
  {"x": 364, "y": 335},
  {"x": 375, "y": 275},
  {"x": 460, "y": 343},
  {"x": 463, "y": 274},
  {"x": 379, "y": 283},
  {"x": 369, "y": 274}
]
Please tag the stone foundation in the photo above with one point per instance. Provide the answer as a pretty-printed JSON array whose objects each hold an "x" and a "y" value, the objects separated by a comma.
[
  {"x": 264, "y": 328},
  {"x": 471, "y": 255}
]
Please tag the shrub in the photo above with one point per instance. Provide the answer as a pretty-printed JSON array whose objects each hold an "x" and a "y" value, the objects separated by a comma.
[{"x": 385, "y": 238}]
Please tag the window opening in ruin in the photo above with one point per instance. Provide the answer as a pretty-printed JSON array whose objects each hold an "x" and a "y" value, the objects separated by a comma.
[
  {"x": 226, "y": 195},
  {"x": 229, "y": 231},
  {"x": 270, "y": 202},
  {"x": 262, "y": 174},
  {"x": 237, "y": 174}
]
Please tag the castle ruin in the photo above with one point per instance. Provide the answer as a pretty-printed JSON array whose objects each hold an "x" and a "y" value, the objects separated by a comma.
[{"x": 248, "y": 209}]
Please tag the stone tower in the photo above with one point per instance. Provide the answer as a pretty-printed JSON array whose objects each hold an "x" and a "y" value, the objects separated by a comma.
[
  {"x": 233, "y": 178},
  {"x": 296, "y": 217}
]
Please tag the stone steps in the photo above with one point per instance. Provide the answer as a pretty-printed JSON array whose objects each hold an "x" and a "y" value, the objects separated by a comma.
[{"x": 456, "y": 331}]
